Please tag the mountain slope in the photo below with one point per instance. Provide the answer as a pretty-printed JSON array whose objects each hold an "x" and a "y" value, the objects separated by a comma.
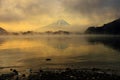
[
  {"x": 109, "y": 28},
  {"x": 3, "y": 31}
]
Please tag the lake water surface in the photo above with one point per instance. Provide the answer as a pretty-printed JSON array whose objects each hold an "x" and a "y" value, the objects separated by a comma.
[{"x": 76, "y": 51}]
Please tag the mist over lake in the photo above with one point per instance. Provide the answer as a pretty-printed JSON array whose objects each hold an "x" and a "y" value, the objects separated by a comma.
[{"x": 74, "y": 51}]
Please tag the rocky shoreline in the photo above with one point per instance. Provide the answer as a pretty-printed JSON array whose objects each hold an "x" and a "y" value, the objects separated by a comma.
[{"x": 66, "y": 74}]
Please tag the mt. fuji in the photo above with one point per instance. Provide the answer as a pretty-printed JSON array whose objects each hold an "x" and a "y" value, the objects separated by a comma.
[{"x": 59, "y": 23}]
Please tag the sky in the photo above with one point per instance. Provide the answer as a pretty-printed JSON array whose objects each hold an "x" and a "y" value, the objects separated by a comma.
[{"x": 23, "y": 15}]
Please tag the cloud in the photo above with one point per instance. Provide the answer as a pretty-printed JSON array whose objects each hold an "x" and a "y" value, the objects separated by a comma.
[
  {"x": 15, "y": 10},
  {"x": 99, "y": 10},
  {"x": 90, "y": 11}
]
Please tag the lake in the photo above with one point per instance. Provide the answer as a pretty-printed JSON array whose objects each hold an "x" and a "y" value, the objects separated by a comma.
[{"x": 74, "y": 51}]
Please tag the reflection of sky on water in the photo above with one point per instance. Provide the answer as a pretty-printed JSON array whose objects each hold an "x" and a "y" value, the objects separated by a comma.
[{"x": 65, "y": 51}]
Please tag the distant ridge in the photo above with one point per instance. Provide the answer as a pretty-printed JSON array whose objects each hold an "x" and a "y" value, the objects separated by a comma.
[{"x": 109, "y": 28}]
